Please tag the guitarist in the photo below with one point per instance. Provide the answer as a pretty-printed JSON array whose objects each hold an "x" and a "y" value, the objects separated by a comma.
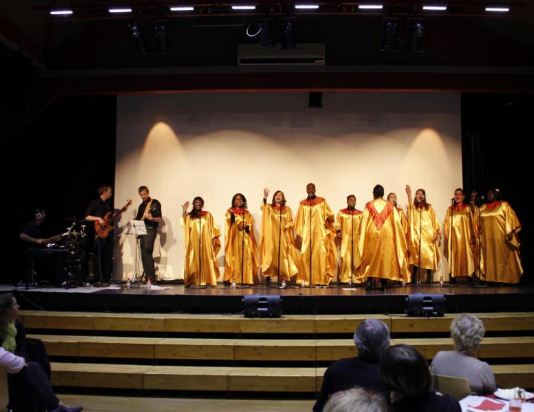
[
  {"x": 101, "y": 212},
  {"x": 150, "y": 212}
]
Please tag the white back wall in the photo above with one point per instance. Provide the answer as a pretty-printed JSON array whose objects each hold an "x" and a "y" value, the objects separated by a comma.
[{"x": 215, "y": 145}]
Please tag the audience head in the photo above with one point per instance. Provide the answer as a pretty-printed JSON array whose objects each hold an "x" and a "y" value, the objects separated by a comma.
[
  {"x": 371, "y": 338},
  {"x": 405, "y": 370},
  {"x": 467, "y": 332},
  {"x": 356, "y": 399}
]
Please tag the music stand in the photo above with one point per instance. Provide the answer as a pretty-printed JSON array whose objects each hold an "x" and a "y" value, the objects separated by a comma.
[{"x": 137, "y": 228}]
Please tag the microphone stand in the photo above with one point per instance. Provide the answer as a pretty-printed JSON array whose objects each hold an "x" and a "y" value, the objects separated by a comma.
[
  {"x": 200, "y": 250},
  {"x": 351, "y": 247},
  {"x": 279, "y": 239},
  {"x": 420, "y": 238},
  {"x": 310, "y": 243},
  {"x": 450, "y": 240},
  {"x": 242, "y": 249}
]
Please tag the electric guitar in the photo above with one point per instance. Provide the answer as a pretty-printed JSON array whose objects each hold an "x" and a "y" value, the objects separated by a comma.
[{"x": 102, "y": 229}]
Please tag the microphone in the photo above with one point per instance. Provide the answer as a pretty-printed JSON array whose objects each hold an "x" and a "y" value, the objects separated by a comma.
[{"x": 452, "y": 201}]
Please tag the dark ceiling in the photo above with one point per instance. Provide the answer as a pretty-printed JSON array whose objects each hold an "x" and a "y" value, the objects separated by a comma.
[
  {"x": 92, "y": 51},
  {"x": 91, "y": 39}
]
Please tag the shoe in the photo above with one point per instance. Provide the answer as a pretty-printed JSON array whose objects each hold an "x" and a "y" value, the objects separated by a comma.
[
  {"x": 233, "y": 285},
  {"x": 283, "y": 285}
]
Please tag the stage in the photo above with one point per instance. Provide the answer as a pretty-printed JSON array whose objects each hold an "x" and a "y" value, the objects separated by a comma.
[{"x": 172, "y": 298}]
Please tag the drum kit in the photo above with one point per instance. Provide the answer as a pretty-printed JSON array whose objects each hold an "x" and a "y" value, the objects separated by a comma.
[{"x": 71, "y": 245}]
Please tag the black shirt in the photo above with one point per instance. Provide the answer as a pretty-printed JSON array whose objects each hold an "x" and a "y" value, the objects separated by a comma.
[
  {"x": 155, "y": 211},
  {"x": 32, "y": 229},
  {"x": 346, "y": 374},
  {"x": 98, "y": 208},
  {"x": 427, "y": 402}
]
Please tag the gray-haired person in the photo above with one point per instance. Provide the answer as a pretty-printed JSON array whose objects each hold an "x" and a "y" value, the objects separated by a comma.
[
  {"x": 371, "y": 339},
  {"x": 467, "y": 332},
  {"x": 356, "y": 399}
]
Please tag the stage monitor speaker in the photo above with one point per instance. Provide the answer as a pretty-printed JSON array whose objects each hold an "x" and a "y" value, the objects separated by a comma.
[
  {"x": 262, "y": 306},
  {"x": 425, "y": 305}
]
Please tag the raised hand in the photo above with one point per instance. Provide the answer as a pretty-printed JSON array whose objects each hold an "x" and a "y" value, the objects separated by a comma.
[
  {"x": 266, "y": 192},
  {"x": 185, "y": 206}
]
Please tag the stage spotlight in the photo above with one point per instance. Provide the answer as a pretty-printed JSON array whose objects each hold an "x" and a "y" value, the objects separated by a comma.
[
  {"x": 416, "y": 32},
  {"x": 390, "y": 32},
  {"x": 61, "y": 12},
  {"x": 161, "y": 35},
  {"x": 138, "y": 37},
  {"x": 289, "y": 35}
]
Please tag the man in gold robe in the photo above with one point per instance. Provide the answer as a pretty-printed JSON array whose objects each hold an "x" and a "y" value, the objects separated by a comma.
[
  {"x": 315, "y": 237},
  {"x": 499, "y": 227},
  {"x": 382, "y": 243},
  {"x": 348, "y": 231},
  {"x": 202, "y": 244}
]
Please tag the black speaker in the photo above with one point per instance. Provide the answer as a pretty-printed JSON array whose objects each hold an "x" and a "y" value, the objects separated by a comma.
[
  {"x": 262, "y": 306},
  {"x": 425, "y": 305}
]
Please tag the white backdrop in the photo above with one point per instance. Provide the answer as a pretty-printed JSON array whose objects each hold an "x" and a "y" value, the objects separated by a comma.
[{"x": 215, "y": 145}]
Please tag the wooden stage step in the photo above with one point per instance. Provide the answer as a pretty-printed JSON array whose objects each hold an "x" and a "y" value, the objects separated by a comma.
[
  {"x": 291, "y": 324},
  {"x": 258, "y": 349},
  {"x": 233, "y": 379}
]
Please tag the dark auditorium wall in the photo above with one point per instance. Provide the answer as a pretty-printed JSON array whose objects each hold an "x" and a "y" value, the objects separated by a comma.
[
  {"x": 497, "y": 129},
  {"x": 56, "y": 162}
]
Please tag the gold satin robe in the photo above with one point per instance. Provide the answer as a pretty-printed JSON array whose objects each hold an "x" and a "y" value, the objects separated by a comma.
[
  {"x": 202, "y": 245},
  {"x": 318, "y": 249},
  {"x": 404, "y": 222},
  {"x": 423, "y": 224},
  {"x": 460, "y": 240},
  {"x": 499, "y": 243},
  {"x": 277, "y": 230},
  {"x": 348, "y": 223},
  {"x": 240, "y": 259},
  {"x": 382, "y": 243}
]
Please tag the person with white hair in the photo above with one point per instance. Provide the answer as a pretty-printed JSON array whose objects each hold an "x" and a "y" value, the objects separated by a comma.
[
  {"x": 356, "y": 399},
  {"x": 467, "y": 332},
  {"x": 371, "y": 339}
]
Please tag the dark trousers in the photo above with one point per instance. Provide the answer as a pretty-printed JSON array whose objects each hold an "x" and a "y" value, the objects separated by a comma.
[
  {"x": 147, "y": 249},
  {"x": 47, "y": 264},
  {"x": 30, "y": 390},
  {"x": 104, "y": 258}
]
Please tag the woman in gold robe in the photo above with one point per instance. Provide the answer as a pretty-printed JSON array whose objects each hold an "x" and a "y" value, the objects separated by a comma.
[
  {"x": 277, "y": 250},
  {"x": 423, "y": 236},
  {"x": 201, "y": 238},
  {"x": 315, "y": 238},
  {"x": 498, "y": 228},
  {"x": 240, "y": 248},
  {"x": 348, "y": 231},
  {"x": 382, "y": 243},
  {"x": 460, "y": 239}
]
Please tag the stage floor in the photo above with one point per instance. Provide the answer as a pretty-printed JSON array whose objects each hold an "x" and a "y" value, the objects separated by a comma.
[{"x": 334, "y": 299}]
